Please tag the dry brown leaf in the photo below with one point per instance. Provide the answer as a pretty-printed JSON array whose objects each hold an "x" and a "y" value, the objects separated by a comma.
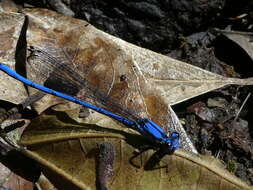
[
  {"x": 68, "y": 153},
  {"x": 8, "y": 6},
  {"x": 173, "y": 80},
  {"x": 11, "y": 25}
]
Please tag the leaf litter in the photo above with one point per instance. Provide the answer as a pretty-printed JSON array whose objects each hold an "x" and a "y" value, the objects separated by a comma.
[{"x": 158, "y": 77}]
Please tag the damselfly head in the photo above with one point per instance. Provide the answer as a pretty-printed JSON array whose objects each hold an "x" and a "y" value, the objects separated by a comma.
[
  {"x": 174, "y": 138},
  {"x": 174, "y": 135}
]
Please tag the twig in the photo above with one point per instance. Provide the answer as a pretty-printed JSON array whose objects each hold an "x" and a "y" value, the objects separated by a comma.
[{"x": 244, "y": 102}]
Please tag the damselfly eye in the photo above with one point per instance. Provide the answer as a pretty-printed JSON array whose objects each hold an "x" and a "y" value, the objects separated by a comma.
[{"x": 174, "y": 135}]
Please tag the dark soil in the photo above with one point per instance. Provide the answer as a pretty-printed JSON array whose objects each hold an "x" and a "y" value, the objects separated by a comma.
[{"x": 183, "y": 29}]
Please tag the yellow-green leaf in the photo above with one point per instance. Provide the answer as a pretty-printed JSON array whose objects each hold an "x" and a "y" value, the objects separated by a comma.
[{"x": 68, "y": 155}]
